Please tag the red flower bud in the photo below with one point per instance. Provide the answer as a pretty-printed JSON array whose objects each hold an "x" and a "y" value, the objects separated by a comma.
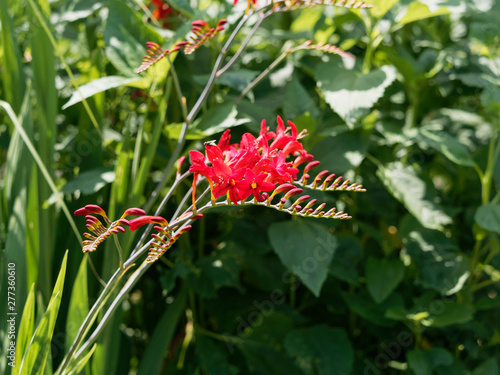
[{"x": 134, "y": 212}]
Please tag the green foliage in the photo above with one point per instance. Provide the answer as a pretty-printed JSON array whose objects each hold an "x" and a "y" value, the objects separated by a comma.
[{"x": 409, "y": 285}]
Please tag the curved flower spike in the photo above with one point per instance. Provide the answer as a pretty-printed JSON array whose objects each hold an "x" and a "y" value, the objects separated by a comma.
[
  {"x": 92, "y": 209},
  {"x": 133, "y": 212},
  {"x": 287, "y": 5},
  {"x": 155, "y": 53},
  {"x": 202, "y": 32},
  {"x": 143, "y": 220}
]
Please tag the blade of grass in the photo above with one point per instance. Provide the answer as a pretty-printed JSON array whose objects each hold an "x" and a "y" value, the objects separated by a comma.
[
  {"x": 35, "y": 358},
  {"x": 78, "y": 304},
  {"x": 16, "y": 185},
  {"x": 13, "y": 77},
  {"x": 52, "y": 40},
  {"x": 12, "y": 116},
  {"x": 43, "y": 63},
  {"x": 26, "y": 328}
]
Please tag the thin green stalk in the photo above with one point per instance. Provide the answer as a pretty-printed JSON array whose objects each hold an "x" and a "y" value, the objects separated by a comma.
[
  {"x": 89, "y": 319},
  {"x": 493, "y": 153},
  {"x": 63, "y": 61},
  {"x": 243, "y": 45},
  {"x": 217, "y": 336},
  {"x": 197, "y": 106},
  {"x": 262, "y": 75},
  {"x": 178, "y": 90},
  {"x": 120, "y": 251},
  {"x": 161, "y": 206},
  {"x": 367, "y": 61},
  {"x": 116, "y": 302}
]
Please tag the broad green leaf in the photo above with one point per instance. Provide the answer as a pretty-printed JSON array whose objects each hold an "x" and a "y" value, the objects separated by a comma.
[
  {"x": 420, "y": 11},
  {"x": 153, "y": 358},
  {"x": 350, "y": 93},
  {"x": 306, "y": 249},
  {"x": 298, "y": 102},
  {"x": 217, "y": 119},
  {"x": 488, "y": 367},
  {"x": 347, "y": 256},
  {"x": 447, "y": 145},
  {"x": 383, "y": 276},
  {"x": 89, "y": 182},
  {"x": 449, "y": 313},
  {"x": 440, "y": 266},
  {"x": 343, "y": 152},
  {"x": 423, "y": 362},
  {"x": 412, "y": 192},
  {"x": 380, "y": 7},
  {"x": 36, "y": 354},
  {"x": 363, "y": 305},
  {"x": 488, "y": 217},
  {"x": 265, "y": 360},
  {"x": 213, "y": 272},
  {"x": 74, "y": 10},
  {"x": 262, "y": 344},
  {"x": 98, "y": 85},
  {"x": 25, "y": 329},
  {"x": 78, "y": 303},
  {"x": 321, "y": 350},
  {"x": 306, "y": 20},
  {"x": 213, "y": 358},
  {"x": 184, "y": 7}
]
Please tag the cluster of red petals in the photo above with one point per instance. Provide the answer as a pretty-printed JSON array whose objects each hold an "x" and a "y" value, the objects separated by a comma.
[
  {"x": 253, "y": 166},
  {"x": 161, "y": 9},
  {"x": 143, "y": 220}
]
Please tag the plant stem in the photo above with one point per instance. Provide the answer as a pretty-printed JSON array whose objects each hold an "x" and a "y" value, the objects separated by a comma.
[
  {"x": 89, "y": 319},
  {"x": 180, "y": 96},
  {"x": 262, "y": 75},
  {"x": 243, "y": 45},
  {"x": 116, "y": 302},
  {"x": 120, "y": 252},
  {"x": 493, "y": 154},
  {"x": 160, "y": 207}
]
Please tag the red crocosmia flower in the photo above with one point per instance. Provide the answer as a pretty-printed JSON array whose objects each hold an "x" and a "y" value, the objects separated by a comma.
[
  {"x": 226, "y": 180},
  {"x": 198, "y": 164},
  {"x": 213, "y": 152},
  {"x": 287, "y": 142},
  {"x": 253, "y": 166},
  {"x": 143, "y": 220},
  {"x": 162, "y": 10},
  {"x": 281, "y": 171},
  {"x": 224, "y": 141},
  {"x": 253, "y": 184},
  {"x": 133, "y": 212},
  {"x": 90, "y": 209}
]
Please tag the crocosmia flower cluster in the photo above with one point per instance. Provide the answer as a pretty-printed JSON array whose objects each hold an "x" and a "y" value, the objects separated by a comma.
[{"x": 255, "y": 165}]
